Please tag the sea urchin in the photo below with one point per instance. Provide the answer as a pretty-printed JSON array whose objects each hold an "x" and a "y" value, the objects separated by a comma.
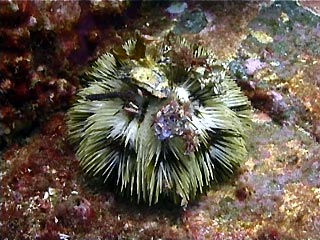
[{"x": 161, "y": 119}]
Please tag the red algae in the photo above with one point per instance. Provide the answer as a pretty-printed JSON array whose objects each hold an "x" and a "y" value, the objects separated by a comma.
[{"x": 37, "y": 42}]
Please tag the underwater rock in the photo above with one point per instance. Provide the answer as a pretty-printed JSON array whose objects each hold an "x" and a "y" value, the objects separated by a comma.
[
  {"x": 38, "y": 41},
  {"x": 160, "y": 120},
  {"x": 177, "y": 8},
  {"x": 192, "y": 21}
]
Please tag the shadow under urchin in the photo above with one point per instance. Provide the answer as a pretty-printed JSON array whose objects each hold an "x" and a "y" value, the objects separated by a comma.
[{"x": 160, "y": 119}]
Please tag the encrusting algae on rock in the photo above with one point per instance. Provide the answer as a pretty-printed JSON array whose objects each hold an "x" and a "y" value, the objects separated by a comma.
[{"x": 160, "y": 119}]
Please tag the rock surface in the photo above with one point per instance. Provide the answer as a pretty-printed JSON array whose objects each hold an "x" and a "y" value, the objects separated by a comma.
[{"x": 273, "y": 50}]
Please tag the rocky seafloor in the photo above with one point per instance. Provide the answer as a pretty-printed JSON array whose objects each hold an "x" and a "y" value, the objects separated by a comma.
[{"x": 273, "y": 50}]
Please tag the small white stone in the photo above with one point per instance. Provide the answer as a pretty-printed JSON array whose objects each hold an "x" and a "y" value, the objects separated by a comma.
[
  {"x": 46, "y": 195},
  {"x": 52, "y": 191},
  {"x": 182, "y": 94}
]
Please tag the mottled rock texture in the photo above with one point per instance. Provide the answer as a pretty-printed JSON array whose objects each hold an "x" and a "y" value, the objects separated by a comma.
[{"x": 274, "y": 196}]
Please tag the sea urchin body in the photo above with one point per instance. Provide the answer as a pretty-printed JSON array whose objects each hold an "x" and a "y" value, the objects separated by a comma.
[{"x": 160, "y": 120}]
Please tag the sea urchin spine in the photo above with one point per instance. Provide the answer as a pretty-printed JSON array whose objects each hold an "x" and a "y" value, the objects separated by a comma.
[{"x": 160, "y": 120}]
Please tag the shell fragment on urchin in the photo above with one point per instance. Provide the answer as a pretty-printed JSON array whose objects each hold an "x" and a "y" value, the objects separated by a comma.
[{"x": 161, "y": 119}]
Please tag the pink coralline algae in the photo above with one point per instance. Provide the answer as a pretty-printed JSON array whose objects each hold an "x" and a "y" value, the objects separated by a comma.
[{"x": 252, "y": 65}]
